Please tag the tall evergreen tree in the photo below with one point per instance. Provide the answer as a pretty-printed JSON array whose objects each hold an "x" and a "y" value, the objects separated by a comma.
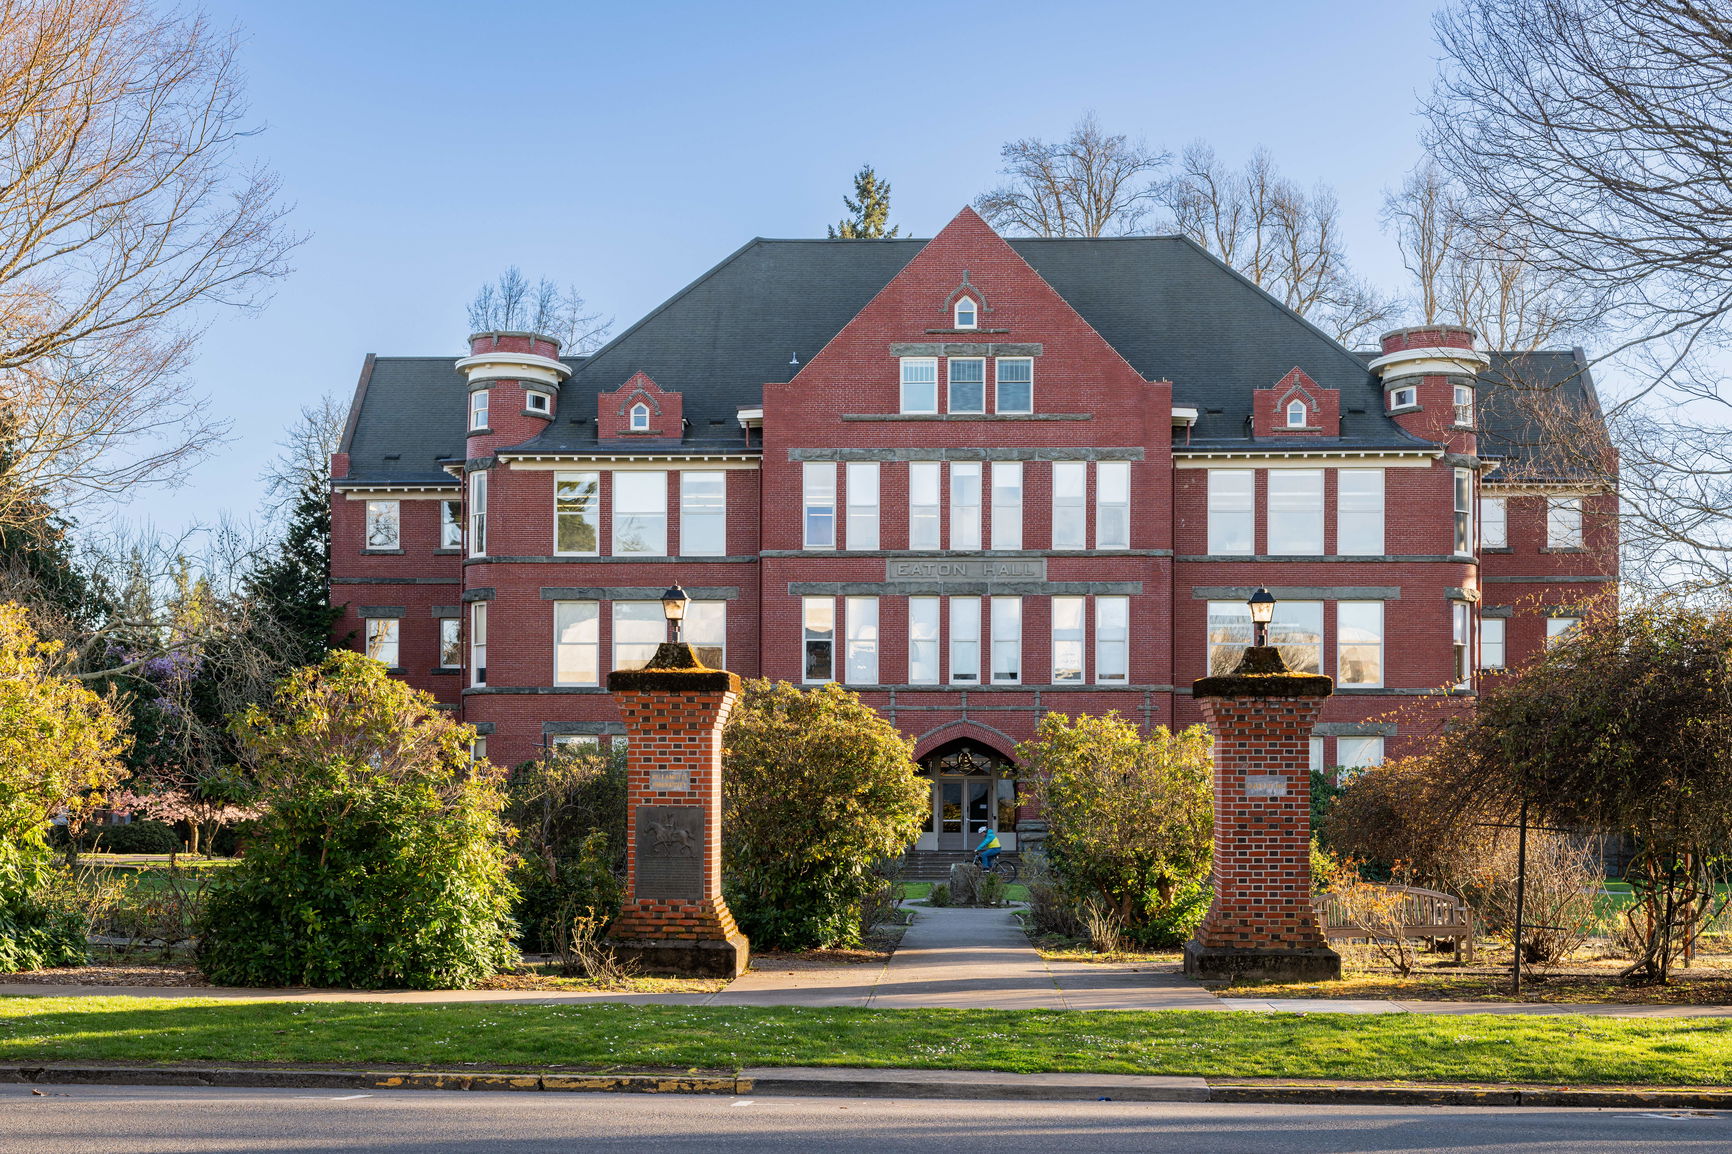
[
  {"x": 869, "y": 210},
  {"x": 292, "y": 586}
]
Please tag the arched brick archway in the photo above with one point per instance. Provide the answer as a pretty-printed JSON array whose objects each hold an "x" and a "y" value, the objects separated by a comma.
[{"x": 973, "y": 783}]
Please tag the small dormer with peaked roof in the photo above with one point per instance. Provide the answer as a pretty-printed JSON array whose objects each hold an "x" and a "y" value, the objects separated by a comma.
[
  {"x": 1295, "y": 406},
  {"x": 640, "y": 408}
]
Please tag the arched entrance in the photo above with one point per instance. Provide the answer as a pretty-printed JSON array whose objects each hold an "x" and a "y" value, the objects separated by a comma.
[{"x": 973, "y": 786}]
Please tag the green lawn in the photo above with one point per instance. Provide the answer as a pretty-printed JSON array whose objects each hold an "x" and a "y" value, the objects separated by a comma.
[
  {"x": 918, "y": 891},
  {"x": 1414, "y": 1047}
]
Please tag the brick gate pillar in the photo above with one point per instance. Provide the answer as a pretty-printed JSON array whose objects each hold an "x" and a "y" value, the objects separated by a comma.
[
  {"x": 1261, "y": 923},
  {"x": 674, "y": 920}
]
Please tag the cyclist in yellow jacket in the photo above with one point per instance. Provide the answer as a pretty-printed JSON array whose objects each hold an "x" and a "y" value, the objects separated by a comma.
[{"x": 989, "y": 848}]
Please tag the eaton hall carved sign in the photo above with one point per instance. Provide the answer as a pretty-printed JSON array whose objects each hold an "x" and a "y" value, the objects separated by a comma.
[{"x": 965, "y": 569}]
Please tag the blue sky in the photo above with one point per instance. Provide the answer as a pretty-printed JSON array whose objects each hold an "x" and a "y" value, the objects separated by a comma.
[{"x": 629, "y": 147}]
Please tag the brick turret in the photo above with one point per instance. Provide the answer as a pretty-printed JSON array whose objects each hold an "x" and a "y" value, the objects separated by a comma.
[
  {"x": 1422, "y": 368},
  {"x": 520, "y": 373}
]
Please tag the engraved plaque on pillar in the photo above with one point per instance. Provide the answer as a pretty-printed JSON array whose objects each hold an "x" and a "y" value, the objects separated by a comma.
[
  {"x": 1265, "y": 785},
  {"x": 670, "y": 851}
]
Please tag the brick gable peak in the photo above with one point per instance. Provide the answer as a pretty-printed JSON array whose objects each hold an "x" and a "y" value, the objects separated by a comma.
[
  {"x": 1270, "y": 407},
  {"x": 618, "y": 415}
]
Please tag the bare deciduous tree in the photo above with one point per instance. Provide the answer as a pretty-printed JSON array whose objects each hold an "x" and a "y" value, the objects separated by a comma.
[
  {"x": 1283, "y": 239},
  {"x": 513, "y": 304},
  {"x": 124, "y": 206},
  {"x": 1089, "y": 184}
]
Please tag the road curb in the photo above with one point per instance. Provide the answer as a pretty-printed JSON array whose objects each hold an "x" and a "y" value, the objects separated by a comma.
[{"x": 877, "y": 1083}]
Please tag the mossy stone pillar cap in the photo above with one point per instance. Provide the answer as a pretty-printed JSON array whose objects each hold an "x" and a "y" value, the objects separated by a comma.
[
  {"x": 674, "y": 669},
  {"x": 1262, "y": 673}
]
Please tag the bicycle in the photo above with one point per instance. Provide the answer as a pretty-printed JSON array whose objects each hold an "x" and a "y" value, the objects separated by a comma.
[{"x": 1003, "y": 867}]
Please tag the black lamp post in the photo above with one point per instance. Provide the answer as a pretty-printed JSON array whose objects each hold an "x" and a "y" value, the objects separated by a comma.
[
  {"x": 674, "y": 609},
  {"x": 1262, "y": 604}
]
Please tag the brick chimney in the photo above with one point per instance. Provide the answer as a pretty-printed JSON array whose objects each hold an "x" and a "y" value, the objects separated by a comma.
[{"x": 1430, "y": 374}]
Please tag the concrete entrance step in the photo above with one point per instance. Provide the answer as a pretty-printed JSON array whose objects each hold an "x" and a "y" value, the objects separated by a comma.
[{"x": 934, "y": 865}]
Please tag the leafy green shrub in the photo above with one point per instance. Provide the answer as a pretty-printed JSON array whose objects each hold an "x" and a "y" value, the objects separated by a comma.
[
  {"x": 817, "y": 788},
  {"x": 143, "y": 836},
  {"x": 940, "y": 895},
  {"x": 990, "y": 891},
  {"x": 551, "y": 900},
  {"x": 1168, "y": 924},
  {"x": 379, "y": 857},
  {"x": 569, "y": 810},
  {"x": 35, "y": 931}
]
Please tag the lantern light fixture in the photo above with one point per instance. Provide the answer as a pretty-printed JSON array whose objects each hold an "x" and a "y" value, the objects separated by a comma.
[
  {"x": 674, "y": 603},
  {"x": 1262, "y": 605}
]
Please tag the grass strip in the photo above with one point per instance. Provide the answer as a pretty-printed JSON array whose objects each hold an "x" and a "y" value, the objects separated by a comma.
[{"x": 1572, "y": 1049}]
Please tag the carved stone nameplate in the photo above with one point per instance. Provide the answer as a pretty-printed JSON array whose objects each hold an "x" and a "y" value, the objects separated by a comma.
[
  {"x": 1265, "y": 785},
  {"x": 964, "y": 569},
  {"x": 662, "y": 777},
  {"x": 670, "y": 851}
]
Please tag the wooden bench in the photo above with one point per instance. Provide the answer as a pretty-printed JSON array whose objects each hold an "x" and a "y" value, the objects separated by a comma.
[{"x": 1428, "y": 915}]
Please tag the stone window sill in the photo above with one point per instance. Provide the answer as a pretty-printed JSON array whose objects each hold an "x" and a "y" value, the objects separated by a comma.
[
  {"x": 1496, "y": 549},
  {"x": 381, "y": 552},
  {"x": 481, "y": 432},
  {"x": 1407, "y": 409},
  {"x": 1563, "y": 549},
  {"x": 437, "y": 669},
  {"x": 448, "y": 552},
  {"x": 542, "y": 413}
]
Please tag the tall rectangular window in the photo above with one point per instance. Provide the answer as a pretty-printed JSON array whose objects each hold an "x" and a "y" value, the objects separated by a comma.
[
  {"x": 1459, "y": 618},
  {"x": 639, "y": 628},
  {"x": 1232, "y": 518},
  {"x": 1297, "y": 631},
  {"x": 577, "y": 514},
  {"x": 967, "y": 384},
  {"x": 703, "y": 514},
  {"x": 1463, "y": 405},
  {"x": 965, "y": 640},
  {"x": 1314, "y": 754},
  {"x": 450, "y": 642},
  {"x": 820, "y": 504},
  {"x": 382, "y": 640},
  {"x": 478, "y": 513},
  {"x": 1006, "y": 640},
  {"x": 1070, "y": 482},
  {"x": 1494, "y": 522},
  {"x": 1113, "y": 505},
  {"x": 640, "y": 513},
  {"x": 1015, "y": 384},
  {"x": 818, "y": 633},
  {"x": 860, "y": 662},
  {"x": 964, "y": 505},
  {"x": 923, "y": 500},
  {"x": 1564, "y": 523},
  {"x": 1359, "y": 643},
  {"x": 384, "y": 525},
  {"x": 1113, "y": 640},
  {"x": 919, "y": 385},
  {"x": 478, "y": 643},
  {"x": 1358, "y": 752},
  {"x": 862, "y": 505},
  {"x": 1559, "y": 628},
  {"x": 923, "y": 640},
  {"x": 1068, "y": 640},
  {"x": 451, "y": 524},
  {"x": 1491, "y": 643},
  {"x": 706, "y": 631},
  {"x": 1359, "y": 512},
  {"x": 478, "y": 410},
  {"x": 577, "y": 643},
  {"x": 1295, "y": 512},
  {"x": 1007, "y": 504},
  {"x": 1229, "y": 635},
  {"x": 1464, "y": 512}
]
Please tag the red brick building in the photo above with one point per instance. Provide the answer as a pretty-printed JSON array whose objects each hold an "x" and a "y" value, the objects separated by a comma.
[{"x": 978, "y": 480}]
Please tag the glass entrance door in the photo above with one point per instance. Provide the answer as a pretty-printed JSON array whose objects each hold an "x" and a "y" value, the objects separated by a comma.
[
  {"x": 964, "y": 807},
  {"x": 949, "y": 813}
]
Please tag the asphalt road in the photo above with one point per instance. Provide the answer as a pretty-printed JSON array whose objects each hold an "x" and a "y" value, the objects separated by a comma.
[{"x": 140, "y": 1120}]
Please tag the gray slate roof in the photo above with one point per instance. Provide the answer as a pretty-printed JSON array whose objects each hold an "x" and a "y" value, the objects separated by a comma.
[{"x": 1172, "y": 310}]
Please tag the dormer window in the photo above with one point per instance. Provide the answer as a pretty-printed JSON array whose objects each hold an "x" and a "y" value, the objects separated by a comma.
[
  {"x": 538, "y": 402},
  {"x": 967, "y": 313},
  {"x": 640, "y": 418},
  {"x": 1296, "y": 414}
]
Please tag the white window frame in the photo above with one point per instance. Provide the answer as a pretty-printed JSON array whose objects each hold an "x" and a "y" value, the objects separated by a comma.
[
  {"x": 569, "y": 639},
  {"x": 1564, "y": 523},
  {"x": 645, "y": 622},
  {"x": 1558, "y": 628},
  {"x": 639, "y": 415},
  {"x": 480, "y": 402},
  {"x": 818, "y": 505},
  {"x": 965, "y": 515},
  {"x": 558, "y": 742},
  {"x": 1367, "y": 611},
  {"x": 1359, "y": 512},
  {"x": 950, "y": 405},
  {"x": 478, "y": 643},
  {"x": 1296, "y": 408},
  {"x": 536, "y": 401},
  {"x": 1462, "y": 495},
  {"x": 860, "y": 659},
  {"x": 912, "y": 370},
  {"x": 1007, "y": 499},
  {"x": 971, "y": 306},
  {"x": 478, "y": 513},
  {"x": 703, "y": 513},
  {"x": 814, "y": 613},
  {"x": 1290, "y": 617},
  {"x": 863, "y": 505},
  {"x": 451, "y": 524},
  {"x": 580, "y": 506},
  {"x": 1112, "y": 640},
  {"x": 1295, "y": 513},
  {"x": 925, "y": 631},
  {"x": 1494, "y": 522},
  {"x": 1358, "y": 753},
  {"x": 1493, "y": 643},
  {"x": 1112, "y": 495},
  {"x": 1227, "y": 633},
  {"x": 384, "y": 639},
  {"x": 651, "y": 520},
  {"x": 450, "y": 642},
  {"x": 1314, "y": 754},
  {"x": 1461, "y": 642},
  {"x": 1069, "y": 640},
  {"x": 706, "y": 630},
  {"x": 1462, "y": 396},
  {"x": 1232, "y": 509},
  {"x": 1070, "y": 499},
  {"x": 965, "y": 640},
  {"x": 998, "y": 404},
  {"x": 386, "y": 519},
  {"x": 925, "y": 517},
  {"x": 1006, "y": 641},
  {"x": 1405, "y": 397}
]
